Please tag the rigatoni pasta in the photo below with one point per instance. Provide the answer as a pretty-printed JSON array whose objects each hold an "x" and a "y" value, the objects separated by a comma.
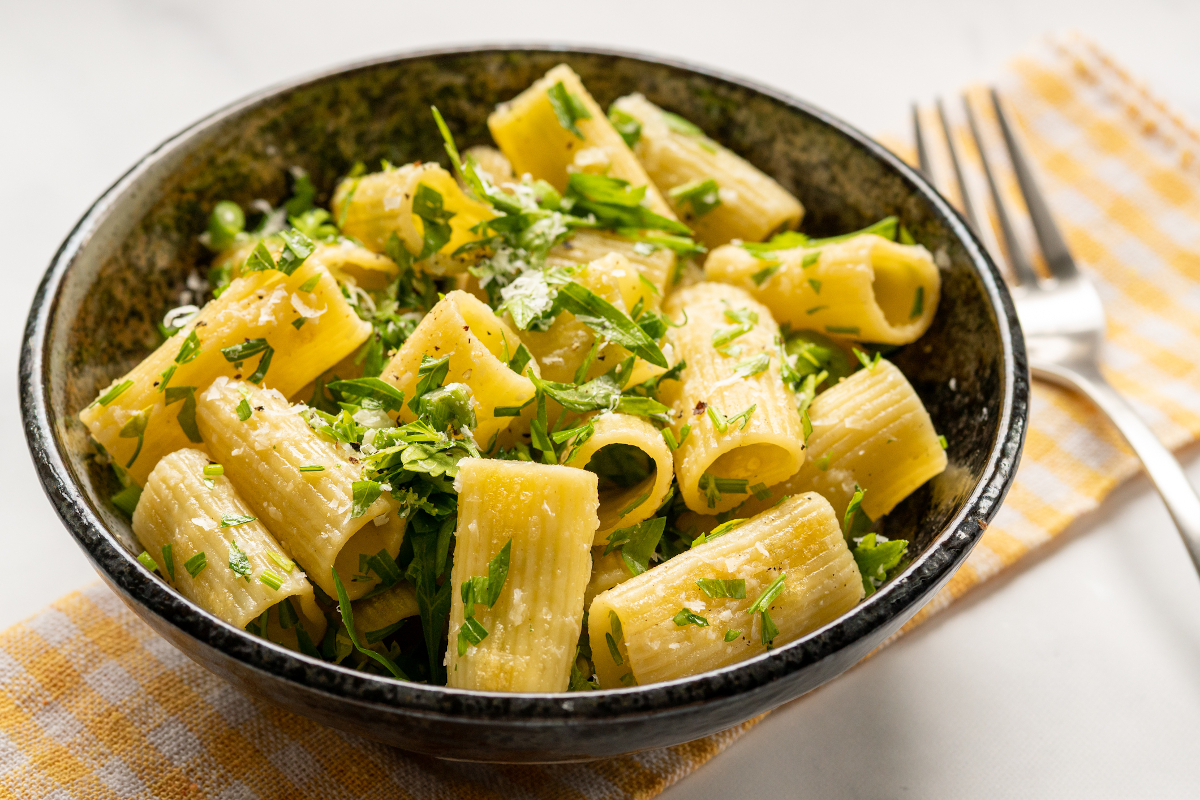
[
  {"x": 300, "y": 486},
  {"x": 719, "y": 194},
  {"x": 735, "y": 422},
  {"x": 865, "y": 288},
  {"x": 541, "y": 521},
  {"x": 515, "y": 426},
  {"x": 779, "y": 575},
  {"x": 205, "y": 539},
  {"x": 150, "y": 411}
]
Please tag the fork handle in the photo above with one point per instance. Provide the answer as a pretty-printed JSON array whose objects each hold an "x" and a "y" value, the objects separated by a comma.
[{"x": 1165, "y": 471}]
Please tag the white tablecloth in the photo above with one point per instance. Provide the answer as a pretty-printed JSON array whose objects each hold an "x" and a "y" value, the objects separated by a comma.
[{"x": 1076, "y": 677}]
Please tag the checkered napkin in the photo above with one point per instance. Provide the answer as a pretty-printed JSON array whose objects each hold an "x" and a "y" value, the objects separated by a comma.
[{"x": 94, "y": 705}]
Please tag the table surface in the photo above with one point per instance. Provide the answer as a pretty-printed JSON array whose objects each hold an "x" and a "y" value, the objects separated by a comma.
[{"x": 1075, "y": 676}]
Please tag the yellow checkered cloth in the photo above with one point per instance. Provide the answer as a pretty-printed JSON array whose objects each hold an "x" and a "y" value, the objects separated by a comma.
[{"x": 94, "y": 705}]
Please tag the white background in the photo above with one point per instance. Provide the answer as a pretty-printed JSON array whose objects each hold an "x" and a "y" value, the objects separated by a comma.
[{"x": 1077, "y": 677}]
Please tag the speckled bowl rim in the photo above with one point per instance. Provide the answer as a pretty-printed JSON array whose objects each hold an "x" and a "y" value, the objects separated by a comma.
[{"x": 888, "y": 608}]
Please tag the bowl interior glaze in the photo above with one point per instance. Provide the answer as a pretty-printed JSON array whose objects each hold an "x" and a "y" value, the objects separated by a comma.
[{"x": 124, "y": 264}]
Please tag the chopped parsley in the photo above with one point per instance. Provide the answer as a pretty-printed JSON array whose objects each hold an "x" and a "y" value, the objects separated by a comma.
[
  {"x": 701, "y": 195},
  {"x": 135, "y": 428},
  {"x": 196, "y": 564},
  {"x": 568, "y": 108},
  {"x": 614, "y": 635},
  {"x": 234, "y": 520},
  {"x": 856, "y": 523},
  {"x": 815, "y": 284},
  {"x": 918, "y": 306},
  {"x": 686, "y": 617},
  {"x": 187, "y": 412},
  {"x": 482, "y": 590},
  {"x": 627, "y": 125},
  {"x": 126, "y": 500},
  {"x": 878, "y": 560},
  {"x": 311, "y": 283},
  {"x": 637, "y": 543},
  {"x": 752, "y": 366},
  {"x": 347, "y": 613},
  {"x": 764, "y": 274},
  {"x": 238, "y": 353},
  {"x": 718, "y": 588},
  {"x": 243, "y": 410},
  {"x": 744, "y": 321},
  {"x": 364, "y": 493},
  {"x": 239, "y": 562},
  {"x": 731, "y": 634},
  {"x": 714, "y": 487}
]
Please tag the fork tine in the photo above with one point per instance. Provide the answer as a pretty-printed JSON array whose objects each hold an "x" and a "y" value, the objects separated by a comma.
[
  {"x": 922, "y": 153},
  {"x": 1022, "y": 270},
  {"x": 963, "y": 192},
  {"x": 1054, "y": 248}
]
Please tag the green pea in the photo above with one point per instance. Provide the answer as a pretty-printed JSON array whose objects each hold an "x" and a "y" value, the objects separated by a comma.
[
  {"x": 225, "y": 223},
  {"x": 449, "y": 404}
]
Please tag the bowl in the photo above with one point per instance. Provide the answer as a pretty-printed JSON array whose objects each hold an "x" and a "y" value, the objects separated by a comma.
[{"x": 94, "y": 317}]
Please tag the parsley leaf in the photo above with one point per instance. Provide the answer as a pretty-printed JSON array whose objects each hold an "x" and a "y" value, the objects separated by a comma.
[
  {"x": 135, "y": 428},
  {"x": 429, "y": 206},
  {"x": 626, "y": 124},
  {"x": 187, "y": 412},
  {"x": 238, "y": 561},
  {"x": 196, "y": 564},
  {"x": 877, "y": 559},
  {"x": 686, "y": 617},
  {"x": 616, "y": 204},
  {"x": 856, "y": 522},
  {"x": 608, "y": 321},
  {"x": 717, "y": 588},
  {"x": 702, "y": 195},
  {"x": 637, "y": 543},
  {"x": 568, "y": 108},
  {"x": 364, "y": 493}
]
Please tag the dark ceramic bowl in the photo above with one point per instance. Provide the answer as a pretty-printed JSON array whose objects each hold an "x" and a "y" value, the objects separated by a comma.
[{"x": 123, "y": 264}]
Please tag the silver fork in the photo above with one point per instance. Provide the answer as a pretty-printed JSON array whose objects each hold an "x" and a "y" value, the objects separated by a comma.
[{"x": 1062, "y": 317}]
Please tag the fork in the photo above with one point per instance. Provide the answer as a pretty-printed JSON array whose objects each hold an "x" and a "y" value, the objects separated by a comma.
[{"x": 1061, "y": 316}]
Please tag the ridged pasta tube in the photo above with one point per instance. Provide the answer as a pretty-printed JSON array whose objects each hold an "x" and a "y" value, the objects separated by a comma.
[
  {"x": 738, "y": 388},
  {"x": 261, "y": 305},
  {"x": 607, "y": 571},
  {"x": 622, "y": 506},
  {"x": 749, "y": 205},
  {"x": 203, "y": 524},
  {"x": 586, "y": 246},
  {"x": 549, "y": 514},
  {"x": 309, "y": 511},
  {"x": 529, "y": 132},
  {"x": 865, "y": 288},
  {"x": 477, "y": 341},
  {"x": 372, "y": 207},
  {"x": 872, "y": 430},
  {"x": 379, "y": 612},
  {"x": 651, "y": 640}
]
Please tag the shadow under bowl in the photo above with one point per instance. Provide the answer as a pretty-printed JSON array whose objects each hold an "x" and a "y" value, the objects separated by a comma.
[{"x": 94, "y": 316}]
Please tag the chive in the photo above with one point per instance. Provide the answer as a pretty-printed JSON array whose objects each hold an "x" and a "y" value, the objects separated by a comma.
[
  {"x": 189, "y": 349},
  {"x": 214, "y": 470},
  {"x": 287, "y": 613},
  {"x": 312, "y": 468},
  {"x": 613, "y": 650},
  {"x": 196, "y": 564},
  {"x": 848, "y": 330},
  {"x": 702, "y": 195},
  {"x": 720, "y": 530},
  {"x": 520, "y": 359},
  {"x": 311, "y": 283},
  {"x": 763, "y": 603},
  {"x": 815, "y": 309},
  {"x": 348, "y": 620},
  {"x": 283, "y": 562},
  {"x": 373, "y": 637},
  {"x": 135, "y": 427},
  {"x": 168, "y": 554},
  {"x": 126, "y": 500},
  {"x": 637, "y": 501},
  {"x": 114, "y": 393},
  {"x": 942, "y": 441},
  {"x": 233, "y": 520},
  {"x": 918, "y": 307},
  {"x": 148, "y": 561},
  {"x": 269, "y": 578},
  {"x": 166, "y": 376},
  {"x": 867, "y": 362},
  {"x": 298, "y": 322},
  {"x": 815, "y": 284},
  {"x": 471, "y": 633},
  {"x": 760, "y": 491}
]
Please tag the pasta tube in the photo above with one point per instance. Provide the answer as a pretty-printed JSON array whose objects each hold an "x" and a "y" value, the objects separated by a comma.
[
  {"x": 720, "y": 195},
  {"x": 491, "y": 161},
  {"x": 607, "y": 572},
  {"x": 480, "y": 347},
  {"x": 585, "y": 246},
  {"x": 692, "y": 613},
  {"x": 380, "y": 614},
  {"x": 531, "y": 132},
  {"x": 865, "y": 288},
  {"x": 271, "y": 457},
  {"x": 137, "y": 427},
  {"x": 626, "y": 498},
  {"x": 372, "y": 207},
  {"x": 206, "y": 542},
  {"x": 546, "y": 516},
  {"x": 743, "y": 430},
  {"x": 871, "y": 430}
]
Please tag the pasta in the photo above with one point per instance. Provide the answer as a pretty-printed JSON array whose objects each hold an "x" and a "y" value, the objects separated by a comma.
[
  {"x": 205, "y": 539},
  {"x": 480, "y": 349},
  {"x": 530, "y": 133},
  {"x": 743, "y": 428},
  {"x": 720, "y": 195},
  {"x": 701, "y": 610},
  {"x": 865, "y": 288},
  {"x": 137, "y": 427},
  {"x": 507, "y": 426},
  {"x": 541, "y": 520},
  {"x": 272, "y": 455}
]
